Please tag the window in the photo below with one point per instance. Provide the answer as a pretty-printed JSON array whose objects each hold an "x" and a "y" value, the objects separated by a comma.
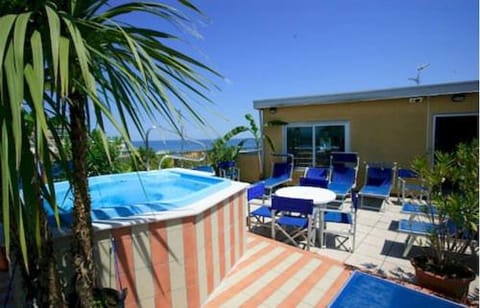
[{"x": 311, "y": 144}]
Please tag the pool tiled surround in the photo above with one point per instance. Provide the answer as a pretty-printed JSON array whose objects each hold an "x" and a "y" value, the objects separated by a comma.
[{"x": 176, "y": 262}]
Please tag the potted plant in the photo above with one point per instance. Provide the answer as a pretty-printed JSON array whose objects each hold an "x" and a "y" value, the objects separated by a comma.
[{"x": 452, "y": 182}]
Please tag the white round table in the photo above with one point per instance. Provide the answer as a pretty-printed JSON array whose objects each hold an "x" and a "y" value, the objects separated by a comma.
[{"x": 320, "y": 197}]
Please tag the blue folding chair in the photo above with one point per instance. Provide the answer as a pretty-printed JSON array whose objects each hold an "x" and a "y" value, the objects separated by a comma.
[
  {"x": 294, "y": 219},
  {"x": 315, "y": 176},
  {"x": 227, "y": 169},
  {"x": 282, "y": 172},
  {"x": 256, "y": 198},
  {"x": 378, "y": 184},
  {"x": 343, "y": 224}
]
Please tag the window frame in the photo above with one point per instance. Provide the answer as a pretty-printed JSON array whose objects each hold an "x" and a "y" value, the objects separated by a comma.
[{"x": 313, "y": 125}]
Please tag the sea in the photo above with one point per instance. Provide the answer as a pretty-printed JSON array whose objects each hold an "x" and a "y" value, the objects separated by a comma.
[{"x": 177, "y": 146}]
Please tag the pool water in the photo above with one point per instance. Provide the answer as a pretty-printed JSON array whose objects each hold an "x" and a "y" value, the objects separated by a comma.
[{"x": 136, "y": 193}]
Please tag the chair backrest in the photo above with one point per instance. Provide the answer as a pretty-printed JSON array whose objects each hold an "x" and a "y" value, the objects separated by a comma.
[
  {"x": 315, "y": 176},
  {"x": 344, "y": 167},
  {"x": 344, "y": 158},
  {"x": 343, "y": 174},
  {"x": 302, "y": 206},
  {"x": 317, "y": 173},
  {"x": 323, "y": 183},
  {"x": 282, "y": 169},
  {"x": 256, "y": 191},
  {"x": 379, "y": 176}
]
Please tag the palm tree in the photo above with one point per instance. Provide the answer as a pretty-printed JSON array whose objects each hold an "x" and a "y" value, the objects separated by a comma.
[{"x": 79, "y": 62}]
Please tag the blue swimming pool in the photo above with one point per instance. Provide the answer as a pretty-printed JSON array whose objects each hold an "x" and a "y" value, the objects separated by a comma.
[{"x": 136, "y": 193}]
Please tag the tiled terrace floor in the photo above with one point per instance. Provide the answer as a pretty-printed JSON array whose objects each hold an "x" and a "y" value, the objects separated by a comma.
[{"x": 273, "y": 274}]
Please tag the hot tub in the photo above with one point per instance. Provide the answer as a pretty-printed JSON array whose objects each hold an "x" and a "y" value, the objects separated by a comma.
[{"x": 168, "y": 236}]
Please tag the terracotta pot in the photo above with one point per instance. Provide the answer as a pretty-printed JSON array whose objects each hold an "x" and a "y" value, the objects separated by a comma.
[
  {"x": 3, "y": 260},
  {"x": 456, "y": 288}
]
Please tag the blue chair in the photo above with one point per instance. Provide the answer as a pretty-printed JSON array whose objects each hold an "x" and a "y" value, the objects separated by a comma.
[
  {"x": 409, "y": 184},
  {"x": 227, "y": 169},
  {"x": 315, "y": 176},
  {"x": 343, "y": 224},
  {"x": 282, "y": 172},
  {"x": 294, "y": 219},
  {"x": 343, "y": 176},
  {"x": 256, "y": 198},
  {"x": 378, "y": 184}
]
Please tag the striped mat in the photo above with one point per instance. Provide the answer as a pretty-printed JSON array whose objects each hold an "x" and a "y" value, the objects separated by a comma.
[{"x": 273, "y": 274}]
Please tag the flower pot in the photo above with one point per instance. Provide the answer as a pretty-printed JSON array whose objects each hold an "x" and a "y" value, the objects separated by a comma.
[
  {"x": 453, "y": 287},
  {"x": 3, "y": 260}
]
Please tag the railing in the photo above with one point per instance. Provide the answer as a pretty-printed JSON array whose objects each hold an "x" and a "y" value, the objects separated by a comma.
[{"x": 175, "y": 155}]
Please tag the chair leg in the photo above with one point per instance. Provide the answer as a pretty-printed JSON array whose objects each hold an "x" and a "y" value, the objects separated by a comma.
[{"x": 408, "y": 244}]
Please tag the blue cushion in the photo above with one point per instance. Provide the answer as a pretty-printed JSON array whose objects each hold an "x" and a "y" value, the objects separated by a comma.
[
  {"x": 293, "y": 221},
  {"x": 375, "y": 190},
  {"x": 413, "y": 208},
  {"x": 337, "y": 217},
  {"x": 263, "y": 211}
]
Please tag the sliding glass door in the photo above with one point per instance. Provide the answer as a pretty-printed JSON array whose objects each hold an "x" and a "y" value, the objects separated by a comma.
[{"x": 312, "y": 143}]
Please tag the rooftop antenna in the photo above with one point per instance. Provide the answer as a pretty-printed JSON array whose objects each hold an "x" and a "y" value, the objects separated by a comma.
[{"x": 420, "y": 68}]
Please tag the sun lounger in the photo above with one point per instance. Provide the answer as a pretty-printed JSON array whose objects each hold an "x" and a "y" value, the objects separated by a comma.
[
  {"x": 282, "y": 172},
  {"x": 378, "y": 184},
  {"x": 344, "y": 170}
]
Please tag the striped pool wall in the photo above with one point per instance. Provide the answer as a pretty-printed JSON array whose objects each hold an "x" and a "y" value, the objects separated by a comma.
[{"x": 177, "y": 262}]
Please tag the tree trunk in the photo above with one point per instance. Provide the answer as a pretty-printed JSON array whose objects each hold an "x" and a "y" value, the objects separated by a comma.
[{"x": 82, "y": 222}]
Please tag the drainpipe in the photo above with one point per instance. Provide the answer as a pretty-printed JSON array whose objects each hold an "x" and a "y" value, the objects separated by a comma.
[{"x": 262, "y": 144}]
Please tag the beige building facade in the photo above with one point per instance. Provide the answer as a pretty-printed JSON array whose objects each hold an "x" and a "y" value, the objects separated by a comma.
[{"x": 388, "y": 125}]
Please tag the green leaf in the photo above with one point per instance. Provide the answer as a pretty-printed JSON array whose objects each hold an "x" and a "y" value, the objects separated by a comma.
[
  {"x": 35, "y": 81},
  {"x": 5, "y": 186},
  {"x": 54, "y": 27},
  {"x": 81, "y": 54},
  {"x": 6, "y": 23},
  {"x": 15, "y": 92}
]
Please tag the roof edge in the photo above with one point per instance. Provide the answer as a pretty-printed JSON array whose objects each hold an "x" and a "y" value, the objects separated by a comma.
[{"x": 371, "y": 95}]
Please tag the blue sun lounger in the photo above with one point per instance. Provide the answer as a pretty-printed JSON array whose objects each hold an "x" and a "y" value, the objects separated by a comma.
[
  {"x": 378, "y": 184},
  {"x": 344, "y": 170},
  {"x": 282, "y": 172},
  {"x": 365, "y": 290}
]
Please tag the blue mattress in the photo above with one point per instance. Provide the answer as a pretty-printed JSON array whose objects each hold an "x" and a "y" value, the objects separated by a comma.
[{"x": 364, "y": 290}]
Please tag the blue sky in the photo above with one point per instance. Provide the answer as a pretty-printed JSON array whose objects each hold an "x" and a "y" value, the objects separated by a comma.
[{"x": 278, "y": 48}]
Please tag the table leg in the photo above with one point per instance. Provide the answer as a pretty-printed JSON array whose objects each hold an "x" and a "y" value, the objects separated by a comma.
[{"x": 320, "y": 228}]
